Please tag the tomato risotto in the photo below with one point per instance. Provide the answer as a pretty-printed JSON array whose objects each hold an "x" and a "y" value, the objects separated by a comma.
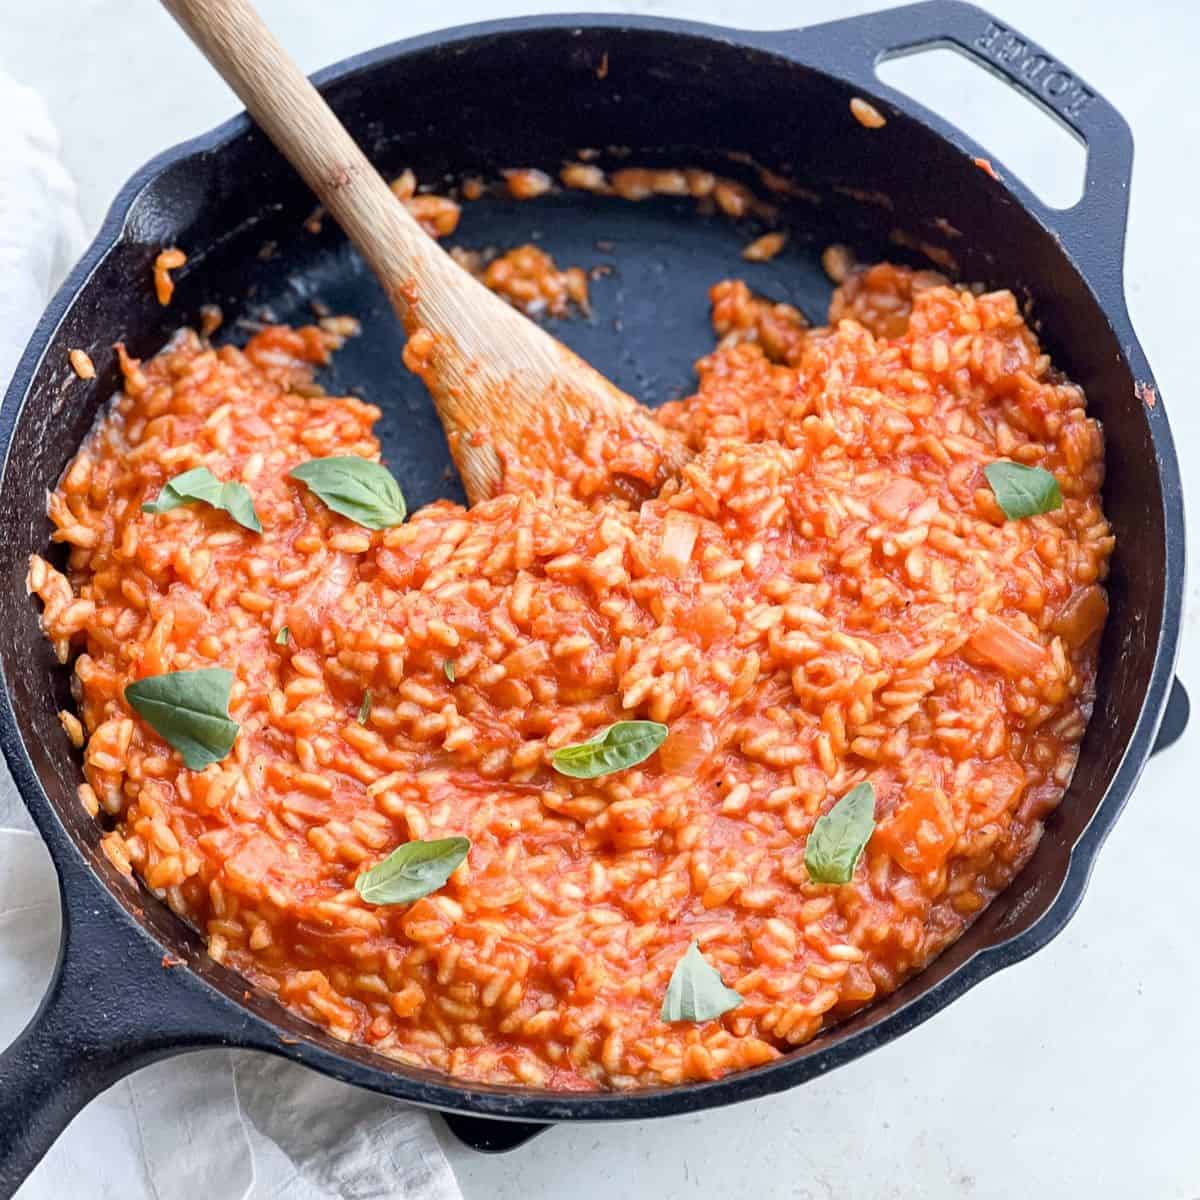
[{"x": 592, "y": 794}]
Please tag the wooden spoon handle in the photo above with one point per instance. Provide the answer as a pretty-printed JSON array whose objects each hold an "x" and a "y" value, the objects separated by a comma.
[
  {"x": 500, "y": 384},
  {"x": 290, "y": 110}
]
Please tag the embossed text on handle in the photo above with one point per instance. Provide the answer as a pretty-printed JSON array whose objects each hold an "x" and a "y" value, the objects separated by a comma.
[{"x": 1036, "y": 69}]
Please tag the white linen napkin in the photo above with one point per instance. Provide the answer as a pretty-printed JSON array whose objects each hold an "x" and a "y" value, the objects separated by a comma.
[{"x": 231, "y": 1125}]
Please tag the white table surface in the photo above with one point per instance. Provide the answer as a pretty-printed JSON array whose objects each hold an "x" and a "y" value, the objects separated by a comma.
[{"x": 1072, "y": 1075}]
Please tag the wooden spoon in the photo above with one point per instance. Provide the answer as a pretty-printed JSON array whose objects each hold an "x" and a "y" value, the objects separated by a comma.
[{"x": 503, "y": 387}]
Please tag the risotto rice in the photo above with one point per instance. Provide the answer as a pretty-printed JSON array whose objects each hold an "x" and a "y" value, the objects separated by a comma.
[{"x": 828, "y": 594}]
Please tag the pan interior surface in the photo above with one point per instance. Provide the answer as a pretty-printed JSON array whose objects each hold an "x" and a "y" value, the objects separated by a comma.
[
  {"x": 652, "y": 264},
  {"x": 535, "y": 97}
]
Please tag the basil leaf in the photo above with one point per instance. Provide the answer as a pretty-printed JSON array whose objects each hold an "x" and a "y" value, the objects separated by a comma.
[
  {"x": 412, "y": 871},
  {"x": 356, "y": 488},
  {"x": 622, "y": 745},
  {"x": 448, "y": 668},
  {"x": 283, "y": 636},
  {"x": 1023, "y": 491},
  {"x": 190, "y": 711},
  {"x": 840, "y": 836},
  {"x": 364, "y": 709},
  {"x": 696, "y": 991},
  {"x": 201, "y": 486}
]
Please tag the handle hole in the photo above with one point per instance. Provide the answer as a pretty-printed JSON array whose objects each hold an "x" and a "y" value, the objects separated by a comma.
[{"x": 1045, "y": 155}]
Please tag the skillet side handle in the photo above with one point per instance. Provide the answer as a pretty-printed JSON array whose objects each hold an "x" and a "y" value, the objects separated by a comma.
[
  {"x": 491, "y": 1137},
  {"x": 1094, "y": 228},
  {"x": 1175, "y": 718}
]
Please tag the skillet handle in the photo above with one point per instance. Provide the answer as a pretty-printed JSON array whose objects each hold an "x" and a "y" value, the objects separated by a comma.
[
  {"x": 49, "y": 1073},
  {"x": 1094, "y": 228},
  {"x": 112, "y": 1006}
]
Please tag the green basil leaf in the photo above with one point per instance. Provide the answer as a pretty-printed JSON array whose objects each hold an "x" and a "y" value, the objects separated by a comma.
[
  {"x": 190, "y": 711},
  {"x": 696, "y": 991},
  {"x": 201, "y": 486},
  {"x": 412, "y": 871},
  {"x": 448, "y": 668},
  {"x": 364, "y": 709},
  {"x": 840, "y": 836},
  {"x": 1023, "y": 491},
  {"x": 357, "y": 488},
  {"x": 622, "y": 745},
  {"x": 283, "y": 636}
]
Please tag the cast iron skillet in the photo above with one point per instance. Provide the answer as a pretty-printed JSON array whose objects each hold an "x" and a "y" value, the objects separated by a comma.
[{"x": 530, "y": 92}]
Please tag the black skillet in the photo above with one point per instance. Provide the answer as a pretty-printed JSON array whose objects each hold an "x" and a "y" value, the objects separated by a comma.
[{"x": 530, "y": 92}]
